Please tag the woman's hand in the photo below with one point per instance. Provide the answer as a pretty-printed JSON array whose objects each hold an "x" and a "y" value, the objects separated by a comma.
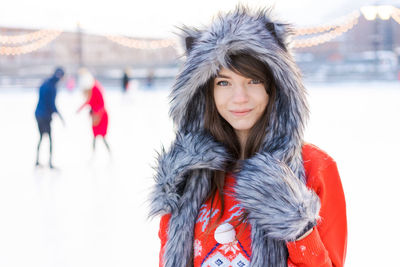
[
  {"x": 305, "y": 235},
  {"x": 95, "y": 119}
]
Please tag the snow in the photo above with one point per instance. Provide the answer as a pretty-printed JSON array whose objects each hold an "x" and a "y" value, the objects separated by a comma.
[{"x": 92, "y": 211}]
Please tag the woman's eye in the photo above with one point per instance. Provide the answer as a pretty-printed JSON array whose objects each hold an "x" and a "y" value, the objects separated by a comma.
[
  {"x": 222, "y": 83},
  {"x": 255, "y": 81}
]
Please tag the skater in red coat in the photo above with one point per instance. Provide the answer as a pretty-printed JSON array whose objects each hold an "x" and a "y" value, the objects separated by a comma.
[{"x": 93, "y": 92}]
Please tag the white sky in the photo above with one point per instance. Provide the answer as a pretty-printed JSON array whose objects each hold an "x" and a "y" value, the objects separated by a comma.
[{"x": 156, "y": 18}]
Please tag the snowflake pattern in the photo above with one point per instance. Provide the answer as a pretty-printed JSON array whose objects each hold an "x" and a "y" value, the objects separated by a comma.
[
  {"x": 230, "y": 247},
  {"x": 197, "y": 248},
  {"x": 220, "y": 260}
]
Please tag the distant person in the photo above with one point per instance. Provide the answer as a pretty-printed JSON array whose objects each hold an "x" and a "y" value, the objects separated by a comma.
[
  {"x": 125, "y": 80},
  {"x": 45, "y": 108},
  {"x": 70, "y": 84},
  {"x": 93, "y": 92},
  {"x": 150, "y": 78}
]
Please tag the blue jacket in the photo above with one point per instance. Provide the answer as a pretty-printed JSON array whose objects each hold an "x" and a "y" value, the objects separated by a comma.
[{"x": 47, "y": 98}]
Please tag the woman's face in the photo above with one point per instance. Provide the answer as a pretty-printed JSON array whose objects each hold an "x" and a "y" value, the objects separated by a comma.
[{"x": 239, "y": 100}]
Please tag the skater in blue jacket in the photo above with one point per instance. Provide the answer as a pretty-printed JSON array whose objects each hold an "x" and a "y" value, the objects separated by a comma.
[{"x": 45, "y": 108}]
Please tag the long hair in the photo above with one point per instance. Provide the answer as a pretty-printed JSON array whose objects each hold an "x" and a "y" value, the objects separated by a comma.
[{"x": 250, "y": 67}]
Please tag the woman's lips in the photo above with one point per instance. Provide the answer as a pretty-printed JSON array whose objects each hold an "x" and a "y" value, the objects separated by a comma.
[{"x": 240, "y": 112}]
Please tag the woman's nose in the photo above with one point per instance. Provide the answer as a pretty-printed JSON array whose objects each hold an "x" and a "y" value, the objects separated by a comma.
[{"x": 240, "y": 94}]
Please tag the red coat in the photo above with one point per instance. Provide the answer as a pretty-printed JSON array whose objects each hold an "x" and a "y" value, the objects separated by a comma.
[
  {"x": 326, "y": 245},
  {"x": 98, "y": 110}
]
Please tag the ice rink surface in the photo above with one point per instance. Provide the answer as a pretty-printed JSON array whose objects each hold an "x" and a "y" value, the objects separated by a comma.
[{"x": 92, "y": 210}]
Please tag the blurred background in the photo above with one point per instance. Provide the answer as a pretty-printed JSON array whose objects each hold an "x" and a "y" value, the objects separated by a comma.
[{"x": 91, "y": 209}]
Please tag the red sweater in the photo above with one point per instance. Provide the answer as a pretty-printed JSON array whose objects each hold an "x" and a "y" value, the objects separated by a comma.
[{"x": 325, "y": 246}]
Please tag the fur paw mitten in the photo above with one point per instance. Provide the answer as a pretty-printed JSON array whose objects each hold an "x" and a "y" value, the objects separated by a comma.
[
  {"x": 189, "y": 152},
  {"x": 275, "y": 199}
]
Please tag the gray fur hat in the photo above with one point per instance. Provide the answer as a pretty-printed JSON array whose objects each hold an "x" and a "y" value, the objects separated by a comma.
[
  {"x": 241, "y": 31},
  {"x": 270, "y": 185}
]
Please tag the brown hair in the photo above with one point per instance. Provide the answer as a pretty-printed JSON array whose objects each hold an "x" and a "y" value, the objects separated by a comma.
[{"x": 248, "y": 66}]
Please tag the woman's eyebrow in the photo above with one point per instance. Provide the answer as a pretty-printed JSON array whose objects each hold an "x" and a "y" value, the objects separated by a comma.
[{"x": 222, "y": 76}]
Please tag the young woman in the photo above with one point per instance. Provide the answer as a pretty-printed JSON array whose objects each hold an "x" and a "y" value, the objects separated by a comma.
[
  {"x": 93, "y": 92},
  {"x": 239, "y": 186}
]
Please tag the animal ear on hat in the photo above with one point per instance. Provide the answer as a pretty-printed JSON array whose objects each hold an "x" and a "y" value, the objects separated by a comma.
[
  {"x": 280, "y": 31},
  {"x": 189, "y": 41},
  {"x": 189, "y": 36}
]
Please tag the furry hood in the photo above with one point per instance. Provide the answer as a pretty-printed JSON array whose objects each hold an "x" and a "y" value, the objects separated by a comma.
[
  {"x": 271, "y": 184},
  {"x": 241, "y": 31}
]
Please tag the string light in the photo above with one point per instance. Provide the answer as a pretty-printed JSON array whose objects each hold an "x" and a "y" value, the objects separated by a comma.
[
  {"x": 325, "y": 28},
  {"x": 141, "y": 44},
  {"x": 326, "y": 34},
  {"x": 329, "y": 32},
  {"x": 28, "y": 48},
  {"x": 396, "y": 15},
  {"x": 24, "y": 38},
  {"x": 326, "y": 37},
  {"x": 385, "y": 12}
]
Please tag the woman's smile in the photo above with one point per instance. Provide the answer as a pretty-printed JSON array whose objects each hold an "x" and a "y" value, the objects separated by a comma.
[{"x": 241, "y": 112}]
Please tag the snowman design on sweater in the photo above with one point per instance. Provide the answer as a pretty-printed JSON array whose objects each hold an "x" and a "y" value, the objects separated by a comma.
[{"x": 228, "y": 245}]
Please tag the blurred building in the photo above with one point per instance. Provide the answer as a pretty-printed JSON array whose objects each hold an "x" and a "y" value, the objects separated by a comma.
[
  {"x": 365, "y": 36},
  {"x": 370, "y": 50}
]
